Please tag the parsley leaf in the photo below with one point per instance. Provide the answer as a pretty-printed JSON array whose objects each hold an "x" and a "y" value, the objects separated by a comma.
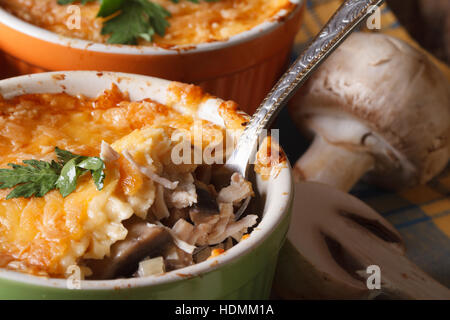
[
  {"x": 37, "y": 177},
  {"x": 128, "y": 20}
]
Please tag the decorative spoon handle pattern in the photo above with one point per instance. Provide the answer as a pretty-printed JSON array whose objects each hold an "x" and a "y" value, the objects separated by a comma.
[{"x": 344, "y": 21}]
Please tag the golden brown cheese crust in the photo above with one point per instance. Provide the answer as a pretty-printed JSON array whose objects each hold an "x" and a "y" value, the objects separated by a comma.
[
  {"x": 45, "y": 236},
  {"x": 190, "y": 23}
]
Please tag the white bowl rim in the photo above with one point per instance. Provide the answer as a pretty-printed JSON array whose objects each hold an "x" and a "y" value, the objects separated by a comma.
[
  {"x": 31, "y": 30},
  {"x": 270, "y": 222}
]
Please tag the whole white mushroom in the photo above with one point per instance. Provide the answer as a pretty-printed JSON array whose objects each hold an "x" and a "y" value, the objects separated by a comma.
[{"x": 376, "y": 106}]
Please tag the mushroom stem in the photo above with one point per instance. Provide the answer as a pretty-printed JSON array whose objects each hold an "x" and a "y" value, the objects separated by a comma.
[{"x": 333, "y": 165}]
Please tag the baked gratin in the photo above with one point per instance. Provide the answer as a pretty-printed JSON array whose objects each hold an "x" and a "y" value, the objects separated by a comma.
[
  {"x": 175, "y": 23},
  {"x": 133, "y": 210}
]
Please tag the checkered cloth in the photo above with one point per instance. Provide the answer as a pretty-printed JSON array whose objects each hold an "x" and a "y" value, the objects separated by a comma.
[{"x": 421, "y": 214}]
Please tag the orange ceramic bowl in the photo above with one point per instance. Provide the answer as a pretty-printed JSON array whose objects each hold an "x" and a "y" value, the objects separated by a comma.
[{"x": 242, "y": 68}]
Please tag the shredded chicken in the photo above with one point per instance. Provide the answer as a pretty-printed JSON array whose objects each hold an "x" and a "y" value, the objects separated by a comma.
[
  {"x": 203, "y": 174},
  {"x": 183, "y": 245},
  {"x": 184, "y": 195},
  {"x": 204, "y": 224},
  {"x": 151, "y": 267},
  {"x": 213, "y": 229},
  {"x": 238, "y": 190},
  {"x": 238, "y": 228},
  {"x": 226, "y": 226},
  {"x": 203, "y": 218}
]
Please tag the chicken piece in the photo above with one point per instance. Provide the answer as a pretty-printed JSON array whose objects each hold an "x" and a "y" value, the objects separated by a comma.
[{"x": 184, "y": 195}]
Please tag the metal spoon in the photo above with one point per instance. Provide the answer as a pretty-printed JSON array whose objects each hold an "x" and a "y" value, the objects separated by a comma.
[{"x": 346, "y": 19}]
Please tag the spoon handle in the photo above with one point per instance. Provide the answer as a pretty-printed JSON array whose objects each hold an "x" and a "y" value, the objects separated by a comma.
[{"x": 344, "y": 21}]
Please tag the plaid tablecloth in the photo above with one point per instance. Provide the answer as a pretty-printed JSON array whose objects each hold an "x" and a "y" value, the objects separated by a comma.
[{"x": 421, "y": 214}]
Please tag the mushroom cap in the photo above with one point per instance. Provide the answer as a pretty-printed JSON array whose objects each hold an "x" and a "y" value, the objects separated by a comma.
[{"x": 380, "y": 95}]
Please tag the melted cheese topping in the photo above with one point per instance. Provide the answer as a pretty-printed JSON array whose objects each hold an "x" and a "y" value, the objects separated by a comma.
[
  {"x": 47, "y": 235},
  {"x": 190, "y": 23}
]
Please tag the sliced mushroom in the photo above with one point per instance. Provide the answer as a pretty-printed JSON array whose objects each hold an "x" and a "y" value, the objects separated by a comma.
[
  {"x": 332, "y": 241},
  {"x": 376, "y": 106},
  {"x": 143, "y": 240},
  {"x": 206, "y": 202},
  {"x": 203, "y": 173}
]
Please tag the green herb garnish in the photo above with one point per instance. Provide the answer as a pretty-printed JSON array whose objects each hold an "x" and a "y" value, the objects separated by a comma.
[
  {"x": 128, "y": 20},
  {"x": 137, "y": 19},
  {"x": 37, "y": 177}
]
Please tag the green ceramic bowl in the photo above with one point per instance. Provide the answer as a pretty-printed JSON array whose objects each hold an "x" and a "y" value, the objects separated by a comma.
[{"x": 243, "y": 272}]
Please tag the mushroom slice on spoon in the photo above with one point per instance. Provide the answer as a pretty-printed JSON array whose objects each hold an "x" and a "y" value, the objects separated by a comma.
[
  {"x": 376, "y": 106},
  {"x": 333, "y": 239}
]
